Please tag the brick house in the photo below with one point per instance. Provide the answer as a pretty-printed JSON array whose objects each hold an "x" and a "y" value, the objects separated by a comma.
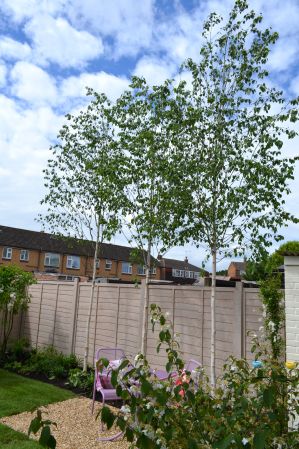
[
  {"x": 236, "y": 270},
  {"x": 179, "y": 271},
  {"x": 44, "y": 253}
]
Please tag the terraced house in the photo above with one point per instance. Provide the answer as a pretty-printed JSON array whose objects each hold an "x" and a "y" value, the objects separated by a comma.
[{"x": 66, "y": 258}]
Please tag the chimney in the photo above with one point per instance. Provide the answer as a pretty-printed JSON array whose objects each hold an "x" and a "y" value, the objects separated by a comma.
[
  {"x": 186, "y": 259},
  {"x": 159, "y": 257}
]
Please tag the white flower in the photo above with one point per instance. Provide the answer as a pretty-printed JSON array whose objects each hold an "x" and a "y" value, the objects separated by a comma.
[
  {"x": 271, "y": 326},
  {"x": 244, "y": 441},
  {"x": 125, "y": 409},
  {"x": 233, "y": 368}
]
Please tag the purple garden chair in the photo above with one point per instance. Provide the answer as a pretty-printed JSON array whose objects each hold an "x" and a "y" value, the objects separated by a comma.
[
  {"x": 191, "y": 365},
  {"x": 101, "y": 379}
]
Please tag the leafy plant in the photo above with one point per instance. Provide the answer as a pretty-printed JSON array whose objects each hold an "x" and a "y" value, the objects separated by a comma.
[
  {"x": 46, "y": 439},
  {"x": 81, "y": 379},
  {"x": 49, "y": 362},
  {"x": 14, "y": 298}
]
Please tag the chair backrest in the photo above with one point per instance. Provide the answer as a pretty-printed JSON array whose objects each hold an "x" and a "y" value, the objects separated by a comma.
[
  {"x": 192, "y": 365},
  {"x": 109, "y": 354}
]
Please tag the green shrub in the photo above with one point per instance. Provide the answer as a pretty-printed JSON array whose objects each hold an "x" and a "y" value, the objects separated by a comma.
[
  {"x": 82, "y": 379},
  {"x": 49, "y": 362}
]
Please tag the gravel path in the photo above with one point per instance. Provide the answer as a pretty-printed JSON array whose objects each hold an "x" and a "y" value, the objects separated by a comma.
[{"x": 76, "y": 427}]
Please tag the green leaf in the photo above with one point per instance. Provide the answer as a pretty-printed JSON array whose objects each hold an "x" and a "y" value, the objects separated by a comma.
[
  {"x": 35, "y": 425},
  {"x": 107, "y": 416},
  {"x": 268, "y": 396},
  {"x": 192, "y": 444},
  {"x": 146, "y": 387},
  {"x": 129, "y": 434},
  {"x": 259, "y": 440},
  {"x": 223, "y": 444},
  {"x": 144, "y": 442},
  {"x": 45, "y": 437}
]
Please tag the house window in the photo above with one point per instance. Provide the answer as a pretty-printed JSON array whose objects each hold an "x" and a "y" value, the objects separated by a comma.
[
  {"x": 24, "y": 255},
  {"x": 178, "y": 273},
  {"x": 126, "y": 268},
  {"x": 73, "y": 262},
  {"x": 196, "y": 275},
  {"x": 52, "y": 260},
  {"x": 189, "y": 274},
  {"x": 98, "y": 263},
  {"x": 108, "y": 264},
  {"x": 7, "y": 253},
  {"x": 141, "y": 270}
]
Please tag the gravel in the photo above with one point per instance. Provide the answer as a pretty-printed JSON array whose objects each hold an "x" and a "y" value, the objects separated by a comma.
[{"x": 76, "y": 427}]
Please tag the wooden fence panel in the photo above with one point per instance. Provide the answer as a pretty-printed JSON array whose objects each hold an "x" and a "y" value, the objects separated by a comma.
[{"x": 58, "y": 315}]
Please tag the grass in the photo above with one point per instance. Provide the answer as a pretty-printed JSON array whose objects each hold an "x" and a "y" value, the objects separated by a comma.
[
  {"x": 19, "y": 394},
  {"x": 10, "y": 439}
]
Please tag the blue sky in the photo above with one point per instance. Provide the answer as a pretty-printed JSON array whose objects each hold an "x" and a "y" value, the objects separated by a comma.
[{"x": 51, "y": 49}]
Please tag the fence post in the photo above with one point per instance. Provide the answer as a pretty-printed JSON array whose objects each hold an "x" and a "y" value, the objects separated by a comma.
[
  {"x": 238, "y": 320},
  {"x": 73, "y": 316}
]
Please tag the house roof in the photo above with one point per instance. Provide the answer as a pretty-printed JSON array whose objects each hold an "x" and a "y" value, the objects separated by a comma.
[
  {"x": 239, "y": 265},
  {"x": 290, "y": 253},
  {"x": 42, "y": 241},
  {"x": 178, "y": 264}
]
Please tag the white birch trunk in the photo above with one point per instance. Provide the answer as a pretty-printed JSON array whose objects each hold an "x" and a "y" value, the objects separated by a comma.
[
  {"x": 85, "y": 359},
  {"x": 146, "y": 302},
  {"x": 213, "y": 319}
]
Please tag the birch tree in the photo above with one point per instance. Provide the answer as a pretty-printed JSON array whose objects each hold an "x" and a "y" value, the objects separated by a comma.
[
  {"x": 142, "y": 116},
  {"x": 234, "y": 123},
  {"x": 83, "y": 180}
]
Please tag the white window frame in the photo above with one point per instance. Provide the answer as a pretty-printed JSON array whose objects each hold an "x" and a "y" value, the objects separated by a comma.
[
  {"x": 141, "y": 269},
  {"x": 47, "y": 263},
  {"x": 128, "y": 265},
  {"x": 70, "y": 260},
  {"x": 7, "y": 253},
  {"x": 178, "y": 273},
  {"x": 153, "y": 270},
  {"x": 97, "y": 263},
  {"x": 108, "y": 264},
  {"x": 189, "y": 274},
  {"x": 24, "y": 255},
  {"x": 196, "y": 275}
]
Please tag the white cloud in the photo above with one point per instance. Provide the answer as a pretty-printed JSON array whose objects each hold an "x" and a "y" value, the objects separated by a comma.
[
  {"x": 12, "y": 49},
  {"x": 128, "y": 22},
  {"x": 154, "y": 70},
  {"x": 295, "y": 85},
  {"x": 55, "y": 40},
  {"x": 111, "y": 85},
  {"x": 32, "y": 84},
  {"x": 3, "y": 72},
  {"x": 283, "y": 54},
  {"x": 25, "y": 138},
  {"x": 20, "y": 10}
]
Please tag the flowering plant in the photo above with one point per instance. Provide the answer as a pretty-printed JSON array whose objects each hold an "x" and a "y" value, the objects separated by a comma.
[{"x": 253, "y": 406}]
